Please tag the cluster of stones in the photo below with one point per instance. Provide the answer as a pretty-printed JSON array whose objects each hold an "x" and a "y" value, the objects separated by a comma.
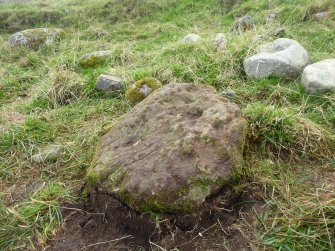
[
  {"x": 136, "y": 92},
  {"x": 286, "y": 58},
  {"x": 282, "y": 58},
  {"x": 242, "y": 25}
]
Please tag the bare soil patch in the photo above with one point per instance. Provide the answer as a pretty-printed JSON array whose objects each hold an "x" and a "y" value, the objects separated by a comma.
[{"x": 218, "y": 227}]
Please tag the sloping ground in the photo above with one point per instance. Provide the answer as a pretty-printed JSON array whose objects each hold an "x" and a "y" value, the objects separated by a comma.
[{"x": 290, "y": 149}]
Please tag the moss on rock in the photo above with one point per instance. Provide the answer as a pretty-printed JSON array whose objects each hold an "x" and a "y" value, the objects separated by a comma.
[
  {"x": 141, "y": 89},
  {"x": 34, "y": 38},
  {"x": 165, "y": 155},
  {"x": 95, "y": 58}
]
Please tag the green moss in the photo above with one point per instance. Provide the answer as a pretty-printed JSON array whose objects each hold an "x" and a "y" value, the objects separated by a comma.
[
  {"x": 37, "y": 37},
  {"x": 157, "y": 205},
  {"x": 135, "y": 95},
  {"x": 93, "y": 61},
  {"x": 188, "y": 198}
]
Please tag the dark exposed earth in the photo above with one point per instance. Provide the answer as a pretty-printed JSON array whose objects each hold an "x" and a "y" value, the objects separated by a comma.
[{"x": 218, "y": 227}]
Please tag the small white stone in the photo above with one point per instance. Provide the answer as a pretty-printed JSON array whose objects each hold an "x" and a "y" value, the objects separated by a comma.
[{"x": 191, "y": 38}]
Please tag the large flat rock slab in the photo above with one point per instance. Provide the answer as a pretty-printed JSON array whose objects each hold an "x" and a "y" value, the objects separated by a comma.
[{"x": 173, "y": 150}]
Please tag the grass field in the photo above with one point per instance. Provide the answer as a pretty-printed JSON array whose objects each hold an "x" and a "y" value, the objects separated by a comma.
[{"x": 291, "y": 142}]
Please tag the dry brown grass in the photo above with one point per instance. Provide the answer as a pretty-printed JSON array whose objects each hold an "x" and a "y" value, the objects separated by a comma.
[{"x": 67, "y": 86}]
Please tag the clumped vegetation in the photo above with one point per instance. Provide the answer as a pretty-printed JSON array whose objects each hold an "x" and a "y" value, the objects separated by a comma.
[
  {"x": 46, "y": 97},
  {"x": 303, "y": 223},
  {"x": 66, "y": 87},
  {"x": 40, "y": 215},
  {"x": 282, "y": 133}
]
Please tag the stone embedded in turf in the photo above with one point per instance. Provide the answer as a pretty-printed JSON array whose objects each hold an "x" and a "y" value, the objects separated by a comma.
[
  {"x": 35, "y": 37},
  {"x": 191, "y": 38},
  {"x": 108, "y": 84},
  {"x": 283, "y": 58},
  {"x": 242, "y": 25},
  {"x": 173, "y": 150},
  {"x": 94, "y": 58},
  {"x": 229, "y": 93},
  {"x": 320, "y": 76}
]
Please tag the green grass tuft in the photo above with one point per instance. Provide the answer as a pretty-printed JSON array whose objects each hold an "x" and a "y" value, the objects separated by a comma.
[{"x": 40, "y": 215}]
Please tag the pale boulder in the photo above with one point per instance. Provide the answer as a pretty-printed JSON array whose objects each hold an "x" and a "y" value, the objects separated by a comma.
[
  {"x": 320, "y": 76},
  {"x": 283, "y": 58}
]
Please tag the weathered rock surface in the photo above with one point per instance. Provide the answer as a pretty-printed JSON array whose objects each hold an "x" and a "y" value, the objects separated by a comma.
[
  {"x": 171, "y": 151},
  {"x": 320, "y": 76},
  {"x": 220, "y": 42},
  {"x": 94, "y": 58},
  {"x": 142, "y": 89},
  {"x": 108, "y": 84},
  {"x": 35, "y": 37},
  {"x": 284, "y": 57},
  {"x": 48, "y": 154},
  {"x": 191, "y": 38},
  {"x": 243, "y": 24}
]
